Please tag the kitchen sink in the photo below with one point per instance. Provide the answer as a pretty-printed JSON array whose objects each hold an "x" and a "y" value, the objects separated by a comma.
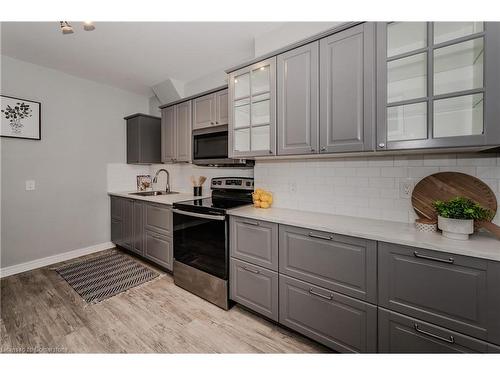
[{"x": 154, "y": 193}]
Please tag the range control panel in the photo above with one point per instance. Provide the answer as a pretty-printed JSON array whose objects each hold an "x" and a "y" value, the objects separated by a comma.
[{"x": 239, "y": 183}]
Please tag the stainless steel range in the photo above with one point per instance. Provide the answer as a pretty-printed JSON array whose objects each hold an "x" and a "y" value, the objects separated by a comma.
[{"x": 201, "y": 239}]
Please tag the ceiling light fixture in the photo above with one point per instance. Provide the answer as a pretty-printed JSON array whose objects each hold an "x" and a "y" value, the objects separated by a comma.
[
  {"x": 66, "y": 28},
  {"x": 88, "y": 26}
]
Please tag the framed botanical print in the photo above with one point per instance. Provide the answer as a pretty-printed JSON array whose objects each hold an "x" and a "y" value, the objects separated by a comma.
[{"x": 20, "y": 118}]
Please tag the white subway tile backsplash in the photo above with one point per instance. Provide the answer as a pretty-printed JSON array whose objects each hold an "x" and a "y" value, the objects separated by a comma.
[{"x": 368, "y": 186}]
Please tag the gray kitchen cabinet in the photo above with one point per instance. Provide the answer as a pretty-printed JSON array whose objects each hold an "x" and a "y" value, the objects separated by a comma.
[
  {"x": 347, "y": 90},
  {"x": 298, "y": 100},
  {"x": 143, "y": 139},
  {"x": 453, "y": 291},
  {"x": 138, "y": 228},
  {"x": 204, "y": 111},
  {"x": 221, "y": 112},
  {"x": 158, "y": 248},
  {"x": 128, "y": 224},
  {"x": 116, "y": 208},
  {"x": 176, "y": 133},
  {"x": 254, "y": 287},
  {"x": 255, "y": 241},
  {"x": 252, "y": 110},
  {"x": 116, "y": 231},
  {"x": 158, "y": 218},
  {"x": 341, "y": 263},
  {"x": 339, "y": 322},
  {"x": 183, "y": 136},
  {"x": 398, "y": 333},
  {"x": 437, "y": 84},
  {"x": 168, "y": 134}
]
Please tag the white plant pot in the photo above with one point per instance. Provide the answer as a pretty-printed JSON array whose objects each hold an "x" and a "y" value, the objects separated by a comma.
[{"x": 456, "y": 229}]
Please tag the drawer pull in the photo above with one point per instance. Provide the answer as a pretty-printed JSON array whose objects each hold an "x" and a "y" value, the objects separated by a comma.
[
  {"x": 449, "y": 260},
  {"x": 330, "y": 297},
  {"x": 251, "y": 223},
  {"x": 250, "y": 270},
  {"x": 451, "y": 340},
  {"x": 327, "y": 238}
]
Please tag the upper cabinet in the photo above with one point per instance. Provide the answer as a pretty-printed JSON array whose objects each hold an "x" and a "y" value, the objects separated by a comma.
[
  {"x": 143, "y": 139},
  {"x": 298, "y": 100},
  {"x": 347, "y": 90},
  {"x": 252, "y": 110},
  {"x": 438, "y": 84},
  {"x": 210, "y": 110},
  {"x": 176, "y": 133}
]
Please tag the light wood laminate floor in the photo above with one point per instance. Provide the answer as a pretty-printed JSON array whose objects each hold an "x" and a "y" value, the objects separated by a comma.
[{"x": 40, "y": 312}]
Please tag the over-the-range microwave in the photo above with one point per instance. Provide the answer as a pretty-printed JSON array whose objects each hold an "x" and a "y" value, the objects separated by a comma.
[{"x": 210, "y": 148}]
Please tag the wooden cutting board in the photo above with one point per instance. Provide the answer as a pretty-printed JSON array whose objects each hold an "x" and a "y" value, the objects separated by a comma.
[{"x": 447, "y": 185}]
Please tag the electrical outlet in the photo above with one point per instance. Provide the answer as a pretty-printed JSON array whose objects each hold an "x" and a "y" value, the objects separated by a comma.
[
  {"x": 406, "y": 188},
  {"x": 30, "y": 185},
  {"x": 292, "y": 187}
]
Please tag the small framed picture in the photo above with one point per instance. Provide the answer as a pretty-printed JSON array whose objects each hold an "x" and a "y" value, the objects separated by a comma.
[{"x": 20, "y": 118}]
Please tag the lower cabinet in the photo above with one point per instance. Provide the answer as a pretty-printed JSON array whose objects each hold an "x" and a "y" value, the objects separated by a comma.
[
  {"x": 402, "y": 334},
  {"x": 254, "y": 287},
  {"x": 158, "y": 248},
  {"x": 143, "y": 228},
  {"x": 342, "y": 323}
]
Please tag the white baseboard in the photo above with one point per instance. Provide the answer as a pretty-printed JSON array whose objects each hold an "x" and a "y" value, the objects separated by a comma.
[{"x": 31, "y": 265}]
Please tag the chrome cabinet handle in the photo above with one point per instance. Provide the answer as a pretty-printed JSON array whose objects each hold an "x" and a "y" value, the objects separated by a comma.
[
  {"x": 330, "y": 297},
  {"x": 449, "y": 260},
  {"x": 450, "y": 340},
  {"x": 312, "y": 150},
  {"x": 250, "y": 270},
  {"x": 251, "y": 223},
  {"x": 211, "y": 122},
  {"x": 216, "y": 122},
  {"x": 323, "y": 148},
  {"x": 329, "y": 238},
  {"x": 381, "y": 145}
]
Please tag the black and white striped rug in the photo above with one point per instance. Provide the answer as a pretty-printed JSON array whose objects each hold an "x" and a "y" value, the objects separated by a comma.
[{"x": 102, "y": 277}]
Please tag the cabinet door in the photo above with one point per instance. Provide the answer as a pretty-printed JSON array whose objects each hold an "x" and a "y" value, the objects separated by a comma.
[
  {"x": 128, "y": 224},
  {"x": 347, "y": 83},
  {"x": 158, "y": 248},
  {"x": 339, "y": 322},
  {"x": 138, "y": 228},
  {"x": 183, "y": 136},
  {"x": 222, "y": 100},
  {"x": 298, "y": 91},
  {"x": 344, "y": 264},
  {"x": 116, "y": 208},
  {"x": 150, "y": 140},
  {"x": 204, "y": 111},
  {"x": 168, "y": 134},
  {"x": 402, "y": 334},
  {"x": 133, "y": 141},
  {"x": 116, "y": 232},
  {"x": 158, "y": 218},
  {"x": 255, "y": 241},
  {"x": 254, "y": 287},
  {"x": 445, "y": 289},
  {"x": 252, "y": 110}
]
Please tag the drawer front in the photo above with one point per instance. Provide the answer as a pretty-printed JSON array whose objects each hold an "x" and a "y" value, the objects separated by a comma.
[
  {"x": 339, "y": 322},
  {"x": 446, "y": 289},
  {"x": 158, "y": 218},
  {"x": 116, "y": 231},
  {"x": 254, "y": 287},
  {"x": 344, "y": 264},
  {"x": 402, "y": 334},
  {"x": 158, "y": 248},
  {"x": 116, "y": 208},
  {"x": 255, "y": 241}
]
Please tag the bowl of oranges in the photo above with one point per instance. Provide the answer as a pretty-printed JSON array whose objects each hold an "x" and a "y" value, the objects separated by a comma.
[{"x": 262, "y": 198}]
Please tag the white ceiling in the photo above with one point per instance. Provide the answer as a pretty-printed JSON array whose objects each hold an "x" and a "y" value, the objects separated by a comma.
[{"x": 134, "y": 55}]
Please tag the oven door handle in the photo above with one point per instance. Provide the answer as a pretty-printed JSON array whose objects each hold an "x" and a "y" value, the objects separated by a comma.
[{"x": 195, "y": 214}]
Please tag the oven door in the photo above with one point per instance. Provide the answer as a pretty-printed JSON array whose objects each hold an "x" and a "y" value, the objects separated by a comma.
[{"x": 200, "y": 242}]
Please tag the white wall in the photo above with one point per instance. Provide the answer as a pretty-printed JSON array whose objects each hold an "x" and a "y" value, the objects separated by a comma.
[
  {"x": 289, "y": 33},
  {"x": 82, "y": 131},
  {"x": 205, "y": 83},
  {"x": 366, "y": 186}
]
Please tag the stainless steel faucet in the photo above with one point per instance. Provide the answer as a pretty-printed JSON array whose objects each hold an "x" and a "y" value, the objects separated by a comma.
[{"x": 155, "y": 180}]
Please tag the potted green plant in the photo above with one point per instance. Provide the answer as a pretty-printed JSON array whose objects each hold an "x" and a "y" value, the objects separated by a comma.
[{"x": 456, "y": 217}]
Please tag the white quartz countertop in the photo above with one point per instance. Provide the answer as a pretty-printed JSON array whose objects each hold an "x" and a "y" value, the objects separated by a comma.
[
  {"x": 480, "y": 245},
  {"x": 161, "y": 199}
]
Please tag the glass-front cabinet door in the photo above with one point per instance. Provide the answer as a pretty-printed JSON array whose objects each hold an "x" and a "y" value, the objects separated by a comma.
[
  {"x": 437, "y": 84},
  {"x": 252, "y": 113}
]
